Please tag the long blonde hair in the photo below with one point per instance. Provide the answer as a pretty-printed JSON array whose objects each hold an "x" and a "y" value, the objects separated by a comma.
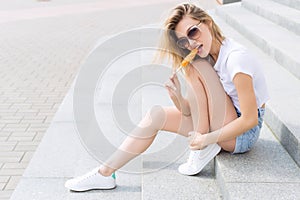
[{"x": 168, "y": 46}]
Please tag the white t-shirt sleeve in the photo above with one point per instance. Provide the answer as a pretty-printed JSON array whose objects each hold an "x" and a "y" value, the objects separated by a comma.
[{"x": 240, "y": 62}]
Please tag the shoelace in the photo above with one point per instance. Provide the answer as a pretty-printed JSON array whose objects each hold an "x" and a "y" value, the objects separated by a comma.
[
  {"x": 192, "y": 156},
  {"x": 85, "y": 177}
]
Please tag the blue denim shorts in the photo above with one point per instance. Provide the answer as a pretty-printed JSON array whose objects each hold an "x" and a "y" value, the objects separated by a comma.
[{"x": 247, "y": 140}]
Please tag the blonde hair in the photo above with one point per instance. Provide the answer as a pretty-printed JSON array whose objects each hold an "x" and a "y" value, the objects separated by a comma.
[{"x": 168, "y": 46}]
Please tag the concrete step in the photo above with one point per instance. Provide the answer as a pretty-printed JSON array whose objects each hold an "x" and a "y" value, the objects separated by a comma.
[
  {"x": 284, "y": 16},
  {"x": 166, "y": 183},
  {"x": 291, "y": 3},
  {"x": 66, "y": 151},
  {"x": 62, "y": 154},
  {"x": 276, "y": 41},
  {"x": 283, "y": 110},
  {"x": 266, "y": 172}
]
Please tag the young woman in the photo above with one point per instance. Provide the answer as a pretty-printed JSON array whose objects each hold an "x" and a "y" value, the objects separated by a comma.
[{"x": 224, "y": 107}]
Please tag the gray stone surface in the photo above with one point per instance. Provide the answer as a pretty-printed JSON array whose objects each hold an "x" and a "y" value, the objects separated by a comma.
[
  {"x": 53, "y": 188},
  {"x": 289, "y": 138},
  {"x": 267, "y": 164},
  {"x": 283, "y": 50},
  {"x": 66, "y": 109},
  {"x": 290, "y": 3},
  {"x": 274, "y": 191},
  {"x": 166, "y": 183},
  {"x": 284, "y": 16},
  {"x": 61, "y": 157},
  {"x": 169, "y": 184}
]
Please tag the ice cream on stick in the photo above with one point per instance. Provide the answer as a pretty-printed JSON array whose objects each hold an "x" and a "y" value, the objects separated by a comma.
[{"x": 187, "y": 59}]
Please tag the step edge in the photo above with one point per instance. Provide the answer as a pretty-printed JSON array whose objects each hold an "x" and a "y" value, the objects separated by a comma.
[
  {"x": 285, "y": 136},
  {"x": 275, "y": 53},
  {"x": 296, "y": 3},
  {"x": 286, "y": 22}
]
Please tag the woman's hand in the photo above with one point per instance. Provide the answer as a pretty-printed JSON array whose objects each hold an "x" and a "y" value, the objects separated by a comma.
[
  {"x": 174, "y": 88},
  {"x": 197, "y": 140}
]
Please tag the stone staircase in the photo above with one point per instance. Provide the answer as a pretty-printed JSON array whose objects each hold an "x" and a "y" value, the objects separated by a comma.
[{"x": 271, "y": 170}]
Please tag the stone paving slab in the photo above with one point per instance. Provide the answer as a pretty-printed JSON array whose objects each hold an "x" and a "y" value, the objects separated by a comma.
[
  {"x": 291, "y": 3},
  {"x": 267, "y": 162},
  {"x": 53, "y": 188},
  {"x": 65, "y": 158},
  {"x": 276, "y": 191},
  {"x": 267, "y": 165},
  {"x": 162, "y": 183},
  {"x": 169, "y": 184},
  {"x": 61, "y": 157}
]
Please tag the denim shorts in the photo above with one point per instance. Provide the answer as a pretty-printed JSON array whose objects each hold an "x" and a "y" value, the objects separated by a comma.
[{"x": 247, "y": 140}]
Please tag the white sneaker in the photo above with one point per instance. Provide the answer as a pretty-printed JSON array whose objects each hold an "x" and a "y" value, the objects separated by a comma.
[
  {"x": 198, "y": 159},
  {"x": 90, "y": 181}
]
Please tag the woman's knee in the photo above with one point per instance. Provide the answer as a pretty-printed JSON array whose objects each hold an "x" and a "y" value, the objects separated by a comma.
[
  {"x": 202, "y": 70},
  {"x": 155, "y": 117},
  {"x": 157, "y": 111}
]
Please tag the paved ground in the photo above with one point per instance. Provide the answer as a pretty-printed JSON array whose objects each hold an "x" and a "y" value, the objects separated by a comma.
[{"x": 42, "y": 46}]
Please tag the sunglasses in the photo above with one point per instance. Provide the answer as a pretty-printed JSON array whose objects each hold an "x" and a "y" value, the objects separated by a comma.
[{"x": 193, "y": 34}]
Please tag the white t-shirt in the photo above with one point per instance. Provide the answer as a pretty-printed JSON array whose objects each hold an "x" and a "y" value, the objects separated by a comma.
[{"x": 234, "y": 58}]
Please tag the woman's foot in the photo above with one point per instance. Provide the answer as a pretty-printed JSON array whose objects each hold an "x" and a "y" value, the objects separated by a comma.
[
  {"x": 90, "y": 181},
  {"x": 199, "y": 159}
]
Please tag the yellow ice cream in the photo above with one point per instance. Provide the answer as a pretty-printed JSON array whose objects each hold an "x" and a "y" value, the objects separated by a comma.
[{"x": 189, "y": 57}]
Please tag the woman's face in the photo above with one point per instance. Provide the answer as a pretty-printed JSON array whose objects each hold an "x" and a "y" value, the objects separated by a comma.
[{"x": 203, "y": 43}]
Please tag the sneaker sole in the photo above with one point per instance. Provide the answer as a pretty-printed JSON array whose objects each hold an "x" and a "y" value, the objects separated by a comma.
[{"x": 89, "y": 189}]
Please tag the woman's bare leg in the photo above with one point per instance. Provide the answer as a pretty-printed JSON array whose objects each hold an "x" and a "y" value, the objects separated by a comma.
[
  {"x": 210, "y": 105},
  {"x": 157, "y": 118},
  {"x": 211, "y": 109}
]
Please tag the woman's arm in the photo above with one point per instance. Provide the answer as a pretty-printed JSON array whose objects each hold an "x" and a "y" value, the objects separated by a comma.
[{"x": 248, "y": 119}]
